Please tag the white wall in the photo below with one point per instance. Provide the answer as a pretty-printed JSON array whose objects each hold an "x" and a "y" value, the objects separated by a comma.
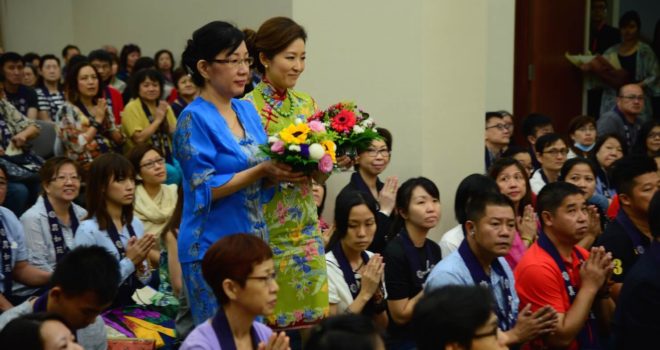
[
  {"x": 427, "y": 70},
  {"x": 44, "y": 26}
]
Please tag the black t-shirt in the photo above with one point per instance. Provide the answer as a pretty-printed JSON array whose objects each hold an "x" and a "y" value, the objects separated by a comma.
[
  {"x": 23, "y": 99},
  {"x": 400, "y": 281},
  {"x": 616, "y": 240}
]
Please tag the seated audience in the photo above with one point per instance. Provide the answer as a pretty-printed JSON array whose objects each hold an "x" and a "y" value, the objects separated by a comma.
[
  {"x": 370, "y": 163},
  {"x": 355, "y": 275},
  {"x": 40, "y": 331},
  {"x": 110, "y": 223},
  {"x": 636, "y": 324},
  {"x": 13, "y": 253},
  {"x": 497, "y": 137},
  {"x": 154, "y": 201},
  {"x": 69, "y": 52},
  {"x": 457, "y": 317},
  {"x": 20, "y": 96},
  {"x": 83, "y": 285},
  {"x": 534, "y": 126},
  {"x": 608, "y": 149},
  {"x": 165, "y": 65},
  {"x": 523, "y": 157},
  {"x": 347, "y": 332},
  {"x": 149, "y": 120},
  {"x": 628, "y": 236},
  {"x": 551, "y": 154},
  {"x": 51, "y": 223},
  {"x": 570, "y": 279},
  {"x": 30, "y": 76},
  {"x": 582, "y": 130},
  {"x": 625, "y": 119},
  {"x": 33, "y": 59},
  {"x": 101, "y": 60},
  {"x": 491, "y": 224},
  {"x": 240, "y": 270},
  {"x": 186, "y": 91},
  {"x": 50, "y": 93},
  {"x": 22, "y": 164},
  {"x": 648, "y": 141},
  {"x": 127, "y": 57},
  {"x": 512, "y": 181},
  {"x": 410, "y": 256},
  {"x": 115, "y": 82},
  {"x": 85, "y": 123},
  {"x": 470, "y": 186}
]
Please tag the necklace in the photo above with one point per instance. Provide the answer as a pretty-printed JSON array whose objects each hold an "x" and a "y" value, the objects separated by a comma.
[
  {"x": 359, "y": 266},
  {"x": 276, "y": 105}
]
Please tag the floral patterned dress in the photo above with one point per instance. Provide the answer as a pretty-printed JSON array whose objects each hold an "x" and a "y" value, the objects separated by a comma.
[{"x": 292, "y": 221}]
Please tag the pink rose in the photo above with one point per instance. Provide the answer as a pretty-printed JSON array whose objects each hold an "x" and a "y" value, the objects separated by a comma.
[
  {"x": 277, "y": 147},
  {"x": 316, "y": 126},
  {"x": 325, "y": 164}
]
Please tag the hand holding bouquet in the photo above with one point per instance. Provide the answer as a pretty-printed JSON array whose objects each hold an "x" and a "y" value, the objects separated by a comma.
[{"x": 304, "y": 145}]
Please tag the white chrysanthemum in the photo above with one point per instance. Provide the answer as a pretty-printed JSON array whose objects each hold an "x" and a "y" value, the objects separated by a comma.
[
  {"x": 316, "y": 151},
  {"x": 294, "y": 148},
  {"x": 273, "y": 139},
  {"x": 358, "y": 129}
]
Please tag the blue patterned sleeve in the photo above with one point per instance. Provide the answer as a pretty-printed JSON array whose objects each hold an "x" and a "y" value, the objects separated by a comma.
[{"x": 196, "y": 153}]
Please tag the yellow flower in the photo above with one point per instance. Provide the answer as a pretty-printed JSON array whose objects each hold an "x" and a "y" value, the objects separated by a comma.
[
  {"x": 295, "y": 134},
  {"x": 330, "y": 148}
]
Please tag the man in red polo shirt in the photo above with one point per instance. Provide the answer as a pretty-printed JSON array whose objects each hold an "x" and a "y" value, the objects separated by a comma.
[{"x": 557, "y": 272}]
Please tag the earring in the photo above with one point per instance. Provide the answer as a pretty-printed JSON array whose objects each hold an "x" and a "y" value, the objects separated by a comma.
[
  {"x": 472, "y": 233},
  {"x": 266, "y": 66}
]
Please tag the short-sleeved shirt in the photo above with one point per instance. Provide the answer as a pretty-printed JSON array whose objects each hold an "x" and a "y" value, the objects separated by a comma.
[
  {"x": 23, "y": 99},
  {"x": 14, "y": 232},
  {"x": 49, "y": 102},
  {"x": 452, "y": 270},
  {"x": 134, "y": 119},
  {"x": 400, "y": 280},
  {"x": 338, "y": 292},
  {"x": 618, "y": 242},
  {"x": 539, "y": 281},
  {"x": 203, "y": 337}
]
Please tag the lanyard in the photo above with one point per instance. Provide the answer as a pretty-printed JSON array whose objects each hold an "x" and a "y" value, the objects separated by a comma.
[
  {"x": 114, "y": 236},
  {"x": 158, "y": 138},
  {"x": 345, "y": 266},
  {"x": 635, "y": 235},
  {"x": 223, "y": 332},
  {"x": 6, "y": 259},
  {"x": 6, "y": 133},
  {"x": 587, "y": 339},
  {"x": 505, "y": 318},
  {"x": 56, "y": 228},
  {"x": 98, "y": 138},
  {"x": 419, "y": 270}
]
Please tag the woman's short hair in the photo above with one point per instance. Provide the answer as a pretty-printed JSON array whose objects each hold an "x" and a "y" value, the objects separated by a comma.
[
  {"x": 346, "y": 332},
  {"x": 233, "y": 257},
  {"x": 628, "y": 17},
  {"x": 640, "y": 144},
  {"x": 52, "y": 166},
  {"x": 275, "y": 35},
  {"x": 105, "y": 168},
  {"x": 136, "y": 154},
  {"x": 404, "y": 196},
  {"x": 206, "y": 43},
  {"x": 24, "y": 332},
  {"x": 601, "y": 141},
  {"x": 580, "y": 121},
  {"x": 141, "y": 75},
  {"x": 571, "y": 163},
  {"x": 165, "y": 52},
  {"x": 125, "y": 51},
  {"x": 503, "y": 163}
]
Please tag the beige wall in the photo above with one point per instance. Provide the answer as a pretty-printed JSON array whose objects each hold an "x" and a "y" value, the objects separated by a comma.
[{"x": 425, "y": 69}]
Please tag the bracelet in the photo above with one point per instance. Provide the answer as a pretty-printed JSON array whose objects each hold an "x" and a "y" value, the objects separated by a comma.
[
  {"x": 95, "y": 124},
  {"x": 527, "y": 240}
]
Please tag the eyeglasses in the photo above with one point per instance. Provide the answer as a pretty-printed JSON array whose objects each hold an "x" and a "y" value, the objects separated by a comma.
[
  {"x": 375, "y": 152},
  {"x": 151, "y": 164},
  {"x": 235, "y": 62},
  {"x": 556, "y": 152},
  {"x": 64, "y": 178},
  {"x": 265, "y": 279},
  {"x": 500, "y": 127},
  {"x": 653, "y": 135},
  {"x": 633, "y": 97}
]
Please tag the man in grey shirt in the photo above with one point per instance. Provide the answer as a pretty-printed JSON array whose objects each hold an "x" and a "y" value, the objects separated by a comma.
[
  {"x": 84, "y": 284},
  {"x": 624, "y": 119}
]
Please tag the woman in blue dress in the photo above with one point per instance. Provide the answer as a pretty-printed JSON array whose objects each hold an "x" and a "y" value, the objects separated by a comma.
[{"x": 225, "y": 175}]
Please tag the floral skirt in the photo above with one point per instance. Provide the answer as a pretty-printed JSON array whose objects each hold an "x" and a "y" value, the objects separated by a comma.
[{"x": 299, "y": 257}]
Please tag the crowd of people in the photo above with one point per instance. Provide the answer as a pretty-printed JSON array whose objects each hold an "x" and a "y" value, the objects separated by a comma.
[{"x": 158, "y": 216}]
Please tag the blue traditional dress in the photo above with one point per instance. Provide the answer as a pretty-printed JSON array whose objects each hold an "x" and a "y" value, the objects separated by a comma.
[{"x": 210, "y": 154}]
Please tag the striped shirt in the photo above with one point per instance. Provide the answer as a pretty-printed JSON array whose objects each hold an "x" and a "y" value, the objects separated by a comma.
[{"x": 49, "y": 102}]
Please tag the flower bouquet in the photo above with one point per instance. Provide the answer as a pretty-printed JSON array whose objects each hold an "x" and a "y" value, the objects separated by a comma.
[
  {"x": 304, "y": 145},
  {"x": 351, "y": 127}
]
